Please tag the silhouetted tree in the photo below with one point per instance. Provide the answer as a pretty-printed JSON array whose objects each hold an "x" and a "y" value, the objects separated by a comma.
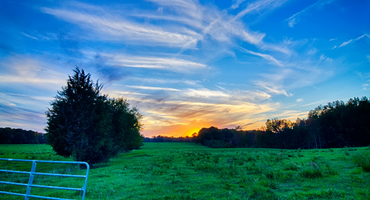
[
  {"x": 339, "y": 124},
  {"x": 88, "y": 126}
]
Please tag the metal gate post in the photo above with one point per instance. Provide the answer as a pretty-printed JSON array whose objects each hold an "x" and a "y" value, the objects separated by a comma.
[
  {"x": 30, "y": 180},
  {"x": 85, "y": 186}
]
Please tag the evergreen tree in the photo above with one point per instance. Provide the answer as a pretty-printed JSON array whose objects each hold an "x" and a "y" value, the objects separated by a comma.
[{"x": 88, "y": 126}]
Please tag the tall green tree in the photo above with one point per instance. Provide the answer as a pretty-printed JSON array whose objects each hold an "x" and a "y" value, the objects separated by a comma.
[
  {"x": 88, "y": 126},
  {"x": 342, "y": 124}
]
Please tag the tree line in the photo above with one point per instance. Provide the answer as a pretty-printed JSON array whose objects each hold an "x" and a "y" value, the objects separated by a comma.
[
  {"x": 161, "y": 138},
  {"x": 337, "y": 124},
  {"x": 20, "y": 136}
]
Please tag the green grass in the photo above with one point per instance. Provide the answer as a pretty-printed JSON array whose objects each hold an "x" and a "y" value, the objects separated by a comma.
[
  {"x": 362, "y": 161},
  {"x": 190, "y": 171}
]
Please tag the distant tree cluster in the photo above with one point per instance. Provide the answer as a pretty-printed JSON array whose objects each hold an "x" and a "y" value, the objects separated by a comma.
[
  {"x": 226, "y": 138},
  {"x": 337, "y": 124},
  {"x": 161, "y": 138},
  {"x": 20, "y": 136},
  {"x": 88, "y": 126},
  {"x": 341, "y": 124}
]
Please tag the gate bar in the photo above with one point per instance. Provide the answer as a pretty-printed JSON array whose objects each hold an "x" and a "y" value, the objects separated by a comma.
[{"x": 33, "y": 173}]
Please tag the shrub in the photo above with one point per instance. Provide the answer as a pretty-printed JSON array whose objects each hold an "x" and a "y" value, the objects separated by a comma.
[{"x": 362, "y": 161}]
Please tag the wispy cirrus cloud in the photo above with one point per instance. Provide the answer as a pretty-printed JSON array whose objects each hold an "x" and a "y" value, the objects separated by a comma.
[
  {"x": 300, "y": 100},
  {"x": 26, "y": 80},
  {"x": 264, "y": 56},
  {"x": 345, "y": 43},
  {"x": 29, "y": 36},
  {"x": 23, "y": 69},
  {"x": 272, "y": 88},
  {"x": 298, "y": 74},
  {"x": 13, "y": 113},
  {"x": 202, "y": 23},
  {"x": 209, "y": 21},
  {"x": 164, "y": 81},
  {"x": 152, "y": 62},
  {"x": 353, "y": 40},
  {"x": 206, "y": 93},
  {"x": 190, "y": 8},
  {"x": 258, "y": 6},
  {"x": 365, "y": 86},
  {"x": 294, "y": 19},
  {"x": 236, "y": 4},
  {"x": 118, "y": 28},
  {"x": 152, "y": 88}
]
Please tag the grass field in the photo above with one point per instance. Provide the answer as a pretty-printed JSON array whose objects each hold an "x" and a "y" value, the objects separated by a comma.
[{"x": 190, "y": 171}]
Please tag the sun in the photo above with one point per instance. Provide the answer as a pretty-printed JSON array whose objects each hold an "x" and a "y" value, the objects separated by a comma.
[{"x": 190, "y": 132}]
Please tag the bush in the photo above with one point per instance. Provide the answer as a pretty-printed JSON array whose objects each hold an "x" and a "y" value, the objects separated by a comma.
[{"x": 362, "y": 161}]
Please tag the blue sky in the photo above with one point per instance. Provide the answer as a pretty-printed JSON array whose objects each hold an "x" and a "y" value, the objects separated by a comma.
[{"x": 186, "y": 64}]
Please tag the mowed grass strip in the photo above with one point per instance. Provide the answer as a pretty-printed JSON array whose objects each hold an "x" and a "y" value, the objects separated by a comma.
[{"x": 191, "y": 171}]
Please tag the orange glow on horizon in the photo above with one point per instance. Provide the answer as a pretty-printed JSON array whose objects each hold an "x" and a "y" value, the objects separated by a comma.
[{"x": 190, "y": 132}]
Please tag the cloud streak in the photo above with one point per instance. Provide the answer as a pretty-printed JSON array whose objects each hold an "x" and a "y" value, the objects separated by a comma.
[
  {"x": 120, "y": 29},
  {"x": 202, "y": 24},
  {"x": 265, "y": 56},
  {"x": 295, "y": 19},
  {"x": 260, "y": 5},
  {"x": 152, "y": 62},
  {"x": 21, "y": 117},
  {"x": 353, "y": 40},
  {"x": 153, "y": 88},
  {"x": 21, "y": 69},
  {"x": 272, "y": 89}
]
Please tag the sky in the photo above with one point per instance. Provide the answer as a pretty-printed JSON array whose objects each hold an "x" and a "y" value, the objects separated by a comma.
[{"x": 186, "y": 64}]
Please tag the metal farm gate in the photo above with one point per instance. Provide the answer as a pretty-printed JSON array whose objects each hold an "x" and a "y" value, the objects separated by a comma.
[{"x": 33, "y": 172}]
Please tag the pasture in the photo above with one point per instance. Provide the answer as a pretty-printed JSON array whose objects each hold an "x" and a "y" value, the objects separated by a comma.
[{"x": 191, "y": 171}]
